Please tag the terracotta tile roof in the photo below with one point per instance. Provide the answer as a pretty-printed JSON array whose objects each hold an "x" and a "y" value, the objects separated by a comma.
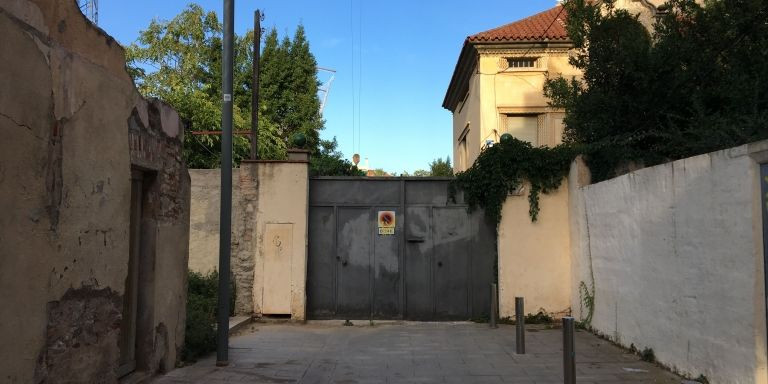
[{"x": 530, "y": 28}]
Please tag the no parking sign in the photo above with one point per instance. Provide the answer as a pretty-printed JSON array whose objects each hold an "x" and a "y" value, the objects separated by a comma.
[{"x": 386, "y": 222}]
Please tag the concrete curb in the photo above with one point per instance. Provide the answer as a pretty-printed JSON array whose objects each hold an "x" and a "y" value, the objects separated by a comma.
[{"x": 237, "y": 323}]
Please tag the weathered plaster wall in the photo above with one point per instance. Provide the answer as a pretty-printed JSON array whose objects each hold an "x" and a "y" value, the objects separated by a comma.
[
  {"x": 204, "y": 220},
  {"x": 267, "y": 195},
  {"x": 677, "y": 260},
  {"x": 534, "y": 258},
  {"x": 73, "y": 126},
  {"x": 467, "y": 116},
  {"x": 283, "y": 189}
]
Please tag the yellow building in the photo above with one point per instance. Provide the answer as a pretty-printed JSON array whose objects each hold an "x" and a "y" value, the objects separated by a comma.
[{"x": 497, "y": 87}]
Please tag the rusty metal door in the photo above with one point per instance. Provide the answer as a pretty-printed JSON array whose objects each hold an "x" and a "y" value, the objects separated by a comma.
[{"x": 437, "y": 265}]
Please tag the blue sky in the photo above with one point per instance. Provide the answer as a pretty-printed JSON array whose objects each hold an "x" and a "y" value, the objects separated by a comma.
[{"x": 404, "y": 54}]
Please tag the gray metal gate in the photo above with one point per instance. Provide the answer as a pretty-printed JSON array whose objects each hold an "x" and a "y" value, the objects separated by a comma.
[{"x": 437, "y": 265}]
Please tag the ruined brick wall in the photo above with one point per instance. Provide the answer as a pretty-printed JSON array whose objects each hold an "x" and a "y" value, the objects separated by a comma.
[{"x": 73, "y": 126}]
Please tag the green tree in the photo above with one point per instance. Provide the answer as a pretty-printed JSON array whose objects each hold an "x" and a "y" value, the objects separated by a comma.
[
  {"x": 698, "y": 84},
  {"x": 179, "y": 62},
  {"x": 304, "y": 111},
  {"x": 441, "y": 168},
  {"x": 331, "y": 162}
]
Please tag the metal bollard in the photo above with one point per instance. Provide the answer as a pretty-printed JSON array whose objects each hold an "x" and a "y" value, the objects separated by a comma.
[
  {"x": 494, "y": 306},
  {"x": 519, "y": 326},
  {"x": 569, "y": 351}
]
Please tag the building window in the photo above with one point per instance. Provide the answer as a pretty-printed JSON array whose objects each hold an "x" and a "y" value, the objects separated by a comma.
[
  {"x": 462, "y": 164},
  {"x": 521, "y": 62},
  {"x": 523, "y": 127}
]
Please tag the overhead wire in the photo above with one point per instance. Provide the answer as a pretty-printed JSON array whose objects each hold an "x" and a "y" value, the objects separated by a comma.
[
  {"x": 546, "y": 30},
  {"x": 352, "y": 56},
  {"x": 360, "y": 76}
]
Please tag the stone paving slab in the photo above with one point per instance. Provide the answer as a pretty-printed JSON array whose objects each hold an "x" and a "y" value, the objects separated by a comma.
[{"x": 411, "y": 352}]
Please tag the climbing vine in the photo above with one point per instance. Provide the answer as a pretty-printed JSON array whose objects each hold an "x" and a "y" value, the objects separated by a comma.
[{"x": 506, "y": 167}]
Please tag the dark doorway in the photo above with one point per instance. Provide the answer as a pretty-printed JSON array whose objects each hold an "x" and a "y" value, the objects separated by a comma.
[
  {"x": 429, "y": 259},
  {"x": 128, "y": 326}
]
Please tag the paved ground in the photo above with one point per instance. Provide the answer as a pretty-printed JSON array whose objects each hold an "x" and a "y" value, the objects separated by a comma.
[{"x": 326, "y": 352}]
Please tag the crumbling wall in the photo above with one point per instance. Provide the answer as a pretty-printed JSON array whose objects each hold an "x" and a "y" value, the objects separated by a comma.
[{"x": 74, "y": 125}]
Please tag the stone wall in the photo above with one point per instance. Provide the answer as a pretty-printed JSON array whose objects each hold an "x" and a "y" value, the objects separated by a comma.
[
  {"x": 675, "y": 255},
  {"x": 74, "y": 128}
]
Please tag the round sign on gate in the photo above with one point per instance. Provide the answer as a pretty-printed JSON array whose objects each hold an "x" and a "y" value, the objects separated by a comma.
[{"x": 386, "y": 222}]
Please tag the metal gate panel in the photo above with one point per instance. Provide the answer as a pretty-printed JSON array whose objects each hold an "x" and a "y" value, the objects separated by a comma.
[
  {"x": 386, "y": 273},
  {"x": 451, "y": 263},
  {"x": 321, "y": 276},
  {"x": 353, "y": 245},
  {"x": 482, "y": 252},
  {"x": 354, "y": 191},
  {"x": 438, "y": 265},
  {"x": 418, "y": 264}
]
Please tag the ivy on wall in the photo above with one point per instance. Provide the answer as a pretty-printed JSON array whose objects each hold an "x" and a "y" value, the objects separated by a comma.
[{"x": 504, "y": 168}]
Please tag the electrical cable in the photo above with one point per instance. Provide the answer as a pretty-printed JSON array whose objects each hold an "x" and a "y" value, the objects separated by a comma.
[
  {"x": 360, "y": 77},
  {"x": 546, "y": 30},
  {"x": 352, "y": 54}
]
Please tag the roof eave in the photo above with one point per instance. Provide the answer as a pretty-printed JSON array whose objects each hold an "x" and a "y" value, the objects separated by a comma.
[{"x": 462, "y": 72}]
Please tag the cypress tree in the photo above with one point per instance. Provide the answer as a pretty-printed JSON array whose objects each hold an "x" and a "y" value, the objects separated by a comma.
[{"x": 304, "y": 114}]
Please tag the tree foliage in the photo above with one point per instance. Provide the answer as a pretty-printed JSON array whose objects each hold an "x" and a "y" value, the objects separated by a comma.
[
  {"x": 698, "y": 84},
  {"x": 441, "y": 168},
  {"x": 330, "y": 162},
  {"x": 506, "y": 167},
  {"x": 179, "y": 61}
]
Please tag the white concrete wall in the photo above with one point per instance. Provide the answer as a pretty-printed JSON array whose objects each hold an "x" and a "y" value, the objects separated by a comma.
[{"x": 677, "y": 259}]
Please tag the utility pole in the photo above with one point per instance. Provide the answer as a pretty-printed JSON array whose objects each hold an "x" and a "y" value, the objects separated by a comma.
[
  {"x": 255, "y": 92},
  {"x": 225, "y": 227}
]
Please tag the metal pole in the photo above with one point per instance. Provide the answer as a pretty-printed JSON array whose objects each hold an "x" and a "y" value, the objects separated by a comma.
[
  {"x": 494, "y": 306},
  {"x": 225, "y": 227},
  {"x": 569, "y": 351},
  {"x": 519, "y": 326},
  {"x": 255, "y": 91}
]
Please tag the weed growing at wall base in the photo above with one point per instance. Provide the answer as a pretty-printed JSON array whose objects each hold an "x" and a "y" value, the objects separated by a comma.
[{"x": 202, "y": 296}]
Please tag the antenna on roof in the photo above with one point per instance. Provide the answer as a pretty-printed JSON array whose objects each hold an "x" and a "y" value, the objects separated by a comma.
[
  {"x": 326, "y": 88},
  {"x": 90, "y": 9}
]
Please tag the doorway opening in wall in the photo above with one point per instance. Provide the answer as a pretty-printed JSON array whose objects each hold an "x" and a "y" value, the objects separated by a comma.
[{"x": 136, "y": 297}]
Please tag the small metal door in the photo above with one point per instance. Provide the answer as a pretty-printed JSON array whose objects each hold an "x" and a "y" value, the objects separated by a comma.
[
  {"x": 451, "y": 263},
  {"x": 354, "y": 238},
  {"x": 386, "y": 269},
  {"x": 321, "y": 264},
  {"x": 418, "y": 264}
]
